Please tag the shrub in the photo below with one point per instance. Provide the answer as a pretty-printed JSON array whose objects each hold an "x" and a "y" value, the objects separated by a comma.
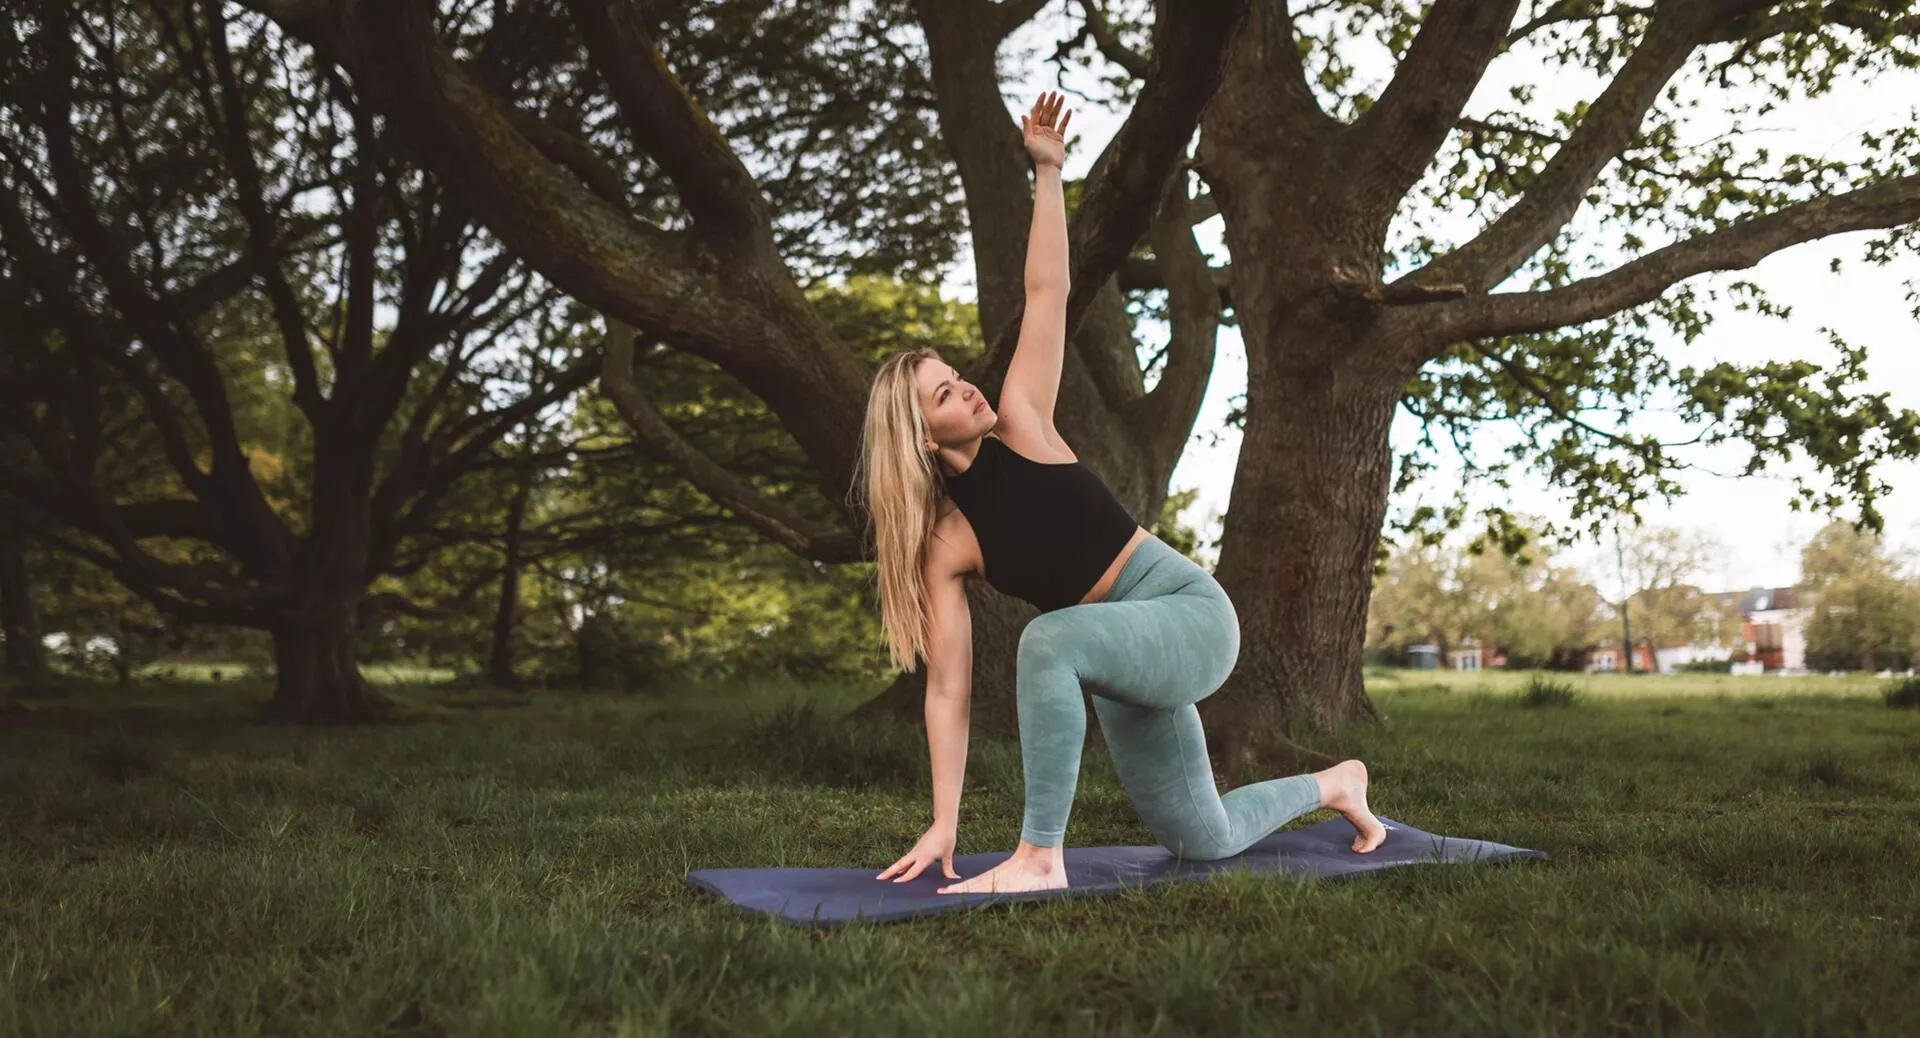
[
  {"x": 1904, "y": 692},
  {"x": 1542, "y": 691}
]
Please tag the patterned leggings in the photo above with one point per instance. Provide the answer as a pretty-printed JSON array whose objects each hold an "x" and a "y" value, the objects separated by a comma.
[{"x": 1164, "y": 638}]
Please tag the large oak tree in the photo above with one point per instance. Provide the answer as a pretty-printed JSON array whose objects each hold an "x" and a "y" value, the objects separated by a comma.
[{"x": 615, "y": 178}]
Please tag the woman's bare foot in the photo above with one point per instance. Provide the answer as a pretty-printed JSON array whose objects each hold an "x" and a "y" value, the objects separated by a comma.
[
  {"x": 1343, "y": 788},
  {"x": 1030, "y": 868}
]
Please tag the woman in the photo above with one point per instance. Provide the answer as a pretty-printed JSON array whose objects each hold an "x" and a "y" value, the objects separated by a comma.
[{"x": 956, "y": 488}]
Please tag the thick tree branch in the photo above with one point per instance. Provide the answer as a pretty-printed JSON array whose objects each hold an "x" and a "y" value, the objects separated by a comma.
[
  {"x": 747, "y": 317},
  {"x": 1609, "y": 125},
  {"x": 1403, "y": 130},
  {"x": 1742, "y": 245},
  {"x": 588, "y": 246},
  {"x": 670, "y": 127},
  {"x": 776, "y": 521},
  {"x": 1193, "y": 319},
  {"x": 1266, "y": 105}
]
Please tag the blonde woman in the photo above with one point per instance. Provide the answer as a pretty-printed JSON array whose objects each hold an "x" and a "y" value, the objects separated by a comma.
[{"x": 958, "y": 488}]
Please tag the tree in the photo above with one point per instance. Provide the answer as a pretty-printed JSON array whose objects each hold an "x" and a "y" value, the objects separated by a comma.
[
  {"x": 1536, "y": 613},
  {"x": 1349, "y": 306},
  {"x": 389, "y": 346},
  {"x": 26, "y": 656},
  {"x": 1664, "y": 605},
  {"x": 1866, "y": 613}
]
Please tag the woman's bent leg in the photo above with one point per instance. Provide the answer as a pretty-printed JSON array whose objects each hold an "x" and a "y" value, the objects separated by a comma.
[
  {"x": 1163, "y": 651},
  {"x": 1053, "y": 731}
]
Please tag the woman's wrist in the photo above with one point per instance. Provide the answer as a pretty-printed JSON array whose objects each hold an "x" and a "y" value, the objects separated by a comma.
[{"x": 1045, "y": 168}]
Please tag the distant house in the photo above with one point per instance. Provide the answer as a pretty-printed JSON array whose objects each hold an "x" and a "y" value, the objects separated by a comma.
[
  {"x": 1608, "y": 659},
  {"x": 1772, "y": 637},
  {"x": 1773, "y": 623}
]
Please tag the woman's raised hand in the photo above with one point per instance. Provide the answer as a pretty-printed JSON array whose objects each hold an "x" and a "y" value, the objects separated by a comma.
[{"x": 1044, "y": 130}]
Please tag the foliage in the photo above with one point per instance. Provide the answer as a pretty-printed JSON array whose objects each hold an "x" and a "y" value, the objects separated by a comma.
[
  {"x": 1866, "y": 613},
  {"x": 1537, "y": 613}
]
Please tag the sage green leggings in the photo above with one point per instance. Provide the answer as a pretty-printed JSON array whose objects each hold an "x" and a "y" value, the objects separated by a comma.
[{"x": 1163, "y": 638}]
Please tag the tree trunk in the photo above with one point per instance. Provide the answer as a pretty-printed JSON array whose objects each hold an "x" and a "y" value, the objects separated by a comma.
[
  {"x": 26, "y": 655},
  {"x": 505, "y": 616},
  {"x": 316, "y": 675},
  {"x": 1309, "y": 495}
]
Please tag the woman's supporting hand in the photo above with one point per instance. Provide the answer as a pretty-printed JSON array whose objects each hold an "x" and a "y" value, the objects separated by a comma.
[
  {"x": 1044, "y": 130},
  {"x": 935, "y": 845}
]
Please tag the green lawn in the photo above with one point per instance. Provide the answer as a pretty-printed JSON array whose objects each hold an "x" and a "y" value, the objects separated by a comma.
[
  {"x": 1729, "y": 855},
  {"x": 378, "y": 673}
]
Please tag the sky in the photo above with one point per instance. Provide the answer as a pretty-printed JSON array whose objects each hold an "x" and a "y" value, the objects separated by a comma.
[{"x": 1749, "y": 516}]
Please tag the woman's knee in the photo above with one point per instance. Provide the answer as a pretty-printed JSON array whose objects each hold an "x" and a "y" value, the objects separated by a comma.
[
  {"x": 1045, "y": 643},
  {"x": 1191, "y": 841}
]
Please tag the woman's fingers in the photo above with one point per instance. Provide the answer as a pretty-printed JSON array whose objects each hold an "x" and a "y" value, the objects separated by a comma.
[
  {"x": 910, "y": 873},
  {"x": 1063, "y": 125}
]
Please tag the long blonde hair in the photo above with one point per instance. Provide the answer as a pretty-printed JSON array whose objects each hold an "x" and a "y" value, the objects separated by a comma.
[{"x": 902, "y": 487}]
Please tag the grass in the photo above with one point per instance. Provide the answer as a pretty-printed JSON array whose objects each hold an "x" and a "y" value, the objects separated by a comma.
[
  {"x": 1541, "y": 690},
  {"x": 214, "y": 672},
  {"x": 1728, "y": 856}
]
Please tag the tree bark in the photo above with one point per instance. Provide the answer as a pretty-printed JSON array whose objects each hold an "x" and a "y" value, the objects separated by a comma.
[
  {"x": 1311, "y": 484},
  {"x": 316, "y": 674},
  {"x": 1296, "y": 558},
  {"x": 26, "y": 655},
  {"x": 505, "y": 616}
]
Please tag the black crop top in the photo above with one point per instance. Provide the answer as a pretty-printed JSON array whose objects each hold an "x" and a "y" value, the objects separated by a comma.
[{"x": 1047, "y": 530}]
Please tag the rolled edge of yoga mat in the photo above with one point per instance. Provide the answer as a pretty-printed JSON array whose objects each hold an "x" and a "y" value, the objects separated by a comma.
[{"x": 826, "y": 897}]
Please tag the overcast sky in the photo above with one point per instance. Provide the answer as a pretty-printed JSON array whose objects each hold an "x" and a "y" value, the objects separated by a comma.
[{"x": 1865, "y": 304}]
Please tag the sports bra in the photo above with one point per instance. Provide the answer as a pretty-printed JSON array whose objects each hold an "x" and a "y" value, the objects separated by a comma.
[{"x": 1047, "y": 530}]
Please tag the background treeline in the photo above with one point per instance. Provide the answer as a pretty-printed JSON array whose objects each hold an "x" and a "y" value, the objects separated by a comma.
[{"x": 1862, "y": 600}]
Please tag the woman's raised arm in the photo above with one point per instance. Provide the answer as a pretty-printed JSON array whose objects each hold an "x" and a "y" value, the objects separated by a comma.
[{"x": 1033, "y": 375}]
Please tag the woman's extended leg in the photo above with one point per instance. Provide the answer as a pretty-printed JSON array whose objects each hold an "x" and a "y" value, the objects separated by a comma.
[{"x": 1161, "y": 757}]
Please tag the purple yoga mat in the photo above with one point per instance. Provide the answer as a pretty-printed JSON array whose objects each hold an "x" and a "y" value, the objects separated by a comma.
[{"x": 830, "y": 897}]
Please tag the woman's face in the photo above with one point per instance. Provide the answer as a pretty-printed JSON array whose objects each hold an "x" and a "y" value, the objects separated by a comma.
[{"x": 956, "y": 411}]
